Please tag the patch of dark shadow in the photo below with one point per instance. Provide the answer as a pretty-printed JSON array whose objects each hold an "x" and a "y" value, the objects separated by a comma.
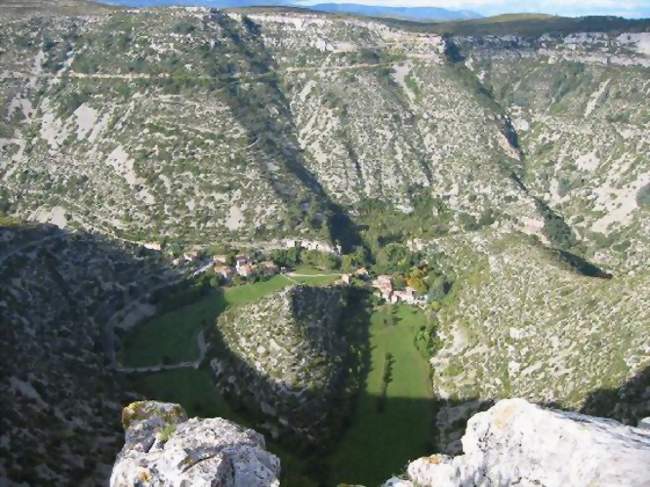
[
  {"x": 579, "y": 264},
  {"x": 452, "y": 52},
  {"x": 450, "y": 420},
  {"x": 510, "y": 133},
  {"x": 555, "y": 228},
  {"x": 516, "y": 178},
  {"x": 264, "y": 113},
  {"x": 628, "y": 403},
  {"x": 354, "y": 157},
  {"x": 59, "y": 290}
]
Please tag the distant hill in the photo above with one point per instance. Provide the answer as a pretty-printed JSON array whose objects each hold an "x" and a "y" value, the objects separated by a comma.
[
  {"x": 407, "y": 13},
  {"x": 197, "y": 3},
  {"x": 527, "y": 25},
  {"x": 52, "y": 7}
]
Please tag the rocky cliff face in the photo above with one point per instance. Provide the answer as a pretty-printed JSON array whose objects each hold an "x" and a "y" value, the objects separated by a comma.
[
  {"x": 513, "y": 443},
  {"x": 285, "y": 357},
  {"x": 195, "y": 124},
  {"x": 518, "y": 443},
  {"x": 165, "y": 448}
]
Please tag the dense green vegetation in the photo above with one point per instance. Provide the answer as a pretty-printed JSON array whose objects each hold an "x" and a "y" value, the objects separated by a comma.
[{"x": 388, "y": 429}]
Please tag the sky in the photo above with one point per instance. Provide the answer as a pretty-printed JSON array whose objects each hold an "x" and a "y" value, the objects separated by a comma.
[{"x": 623, "y": 8}]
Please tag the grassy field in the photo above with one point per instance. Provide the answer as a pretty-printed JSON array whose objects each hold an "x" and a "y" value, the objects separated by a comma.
[
  {"x": 314, "y": 280},
  {"x": 171, "y": 337},
  {"x": 379, "y": 443}
]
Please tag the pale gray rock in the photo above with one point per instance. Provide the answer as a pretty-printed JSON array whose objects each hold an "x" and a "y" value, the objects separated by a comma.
[
  {"x": 518, "y": 443},
  {"x": 164, "y": 448}
]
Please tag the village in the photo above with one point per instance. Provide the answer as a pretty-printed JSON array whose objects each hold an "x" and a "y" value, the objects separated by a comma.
[{"x": 240, "y": 268}]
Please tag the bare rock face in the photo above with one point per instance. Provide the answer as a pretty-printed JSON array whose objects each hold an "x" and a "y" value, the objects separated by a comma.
[
  {"x": 163, "y": 447},
  {"x": 518, "y": 443}
]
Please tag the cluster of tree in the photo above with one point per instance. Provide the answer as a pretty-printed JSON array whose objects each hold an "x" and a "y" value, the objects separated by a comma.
[
  {"x": 395, "y": 257},
  {"x": 294, "y": 256},
  {"x": 426, "y": 339},
  {"x": 383, "y": 224}
]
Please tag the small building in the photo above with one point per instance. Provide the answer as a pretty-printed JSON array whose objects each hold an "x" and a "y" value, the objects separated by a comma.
[
  {"x": 220, "y": 259},
  {"x": 152, "y": 246},
  {"x": 241, "y": 260},
  {"x": 409, "y": 296},
  {"x": 361, "y": 273},
  {"x": 245, "y": 270},
  {"x": 345, "y": 279},
  {"x": 384, "y": 285},
  {"x": 226, "y": 272}
]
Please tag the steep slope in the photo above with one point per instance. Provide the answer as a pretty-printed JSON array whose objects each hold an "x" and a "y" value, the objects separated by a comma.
[
  {"x": 523, "y": 321},
  {"x": 285, "y": 356},
  {"x": 197, "y": 126},
  {"x": 192, "y": 124},
  {"x": 579, "y": 106},
  {"x": 58, "y": 293}
]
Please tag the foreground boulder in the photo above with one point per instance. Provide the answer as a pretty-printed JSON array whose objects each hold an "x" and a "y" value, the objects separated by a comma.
[
  {"x": 518, "y": 443},
  {"x": 164, "y": 447}
]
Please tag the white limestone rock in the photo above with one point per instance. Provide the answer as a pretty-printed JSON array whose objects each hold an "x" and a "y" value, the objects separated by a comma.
[
  {"x": 163, "y": 447},
  {"x": 518, "y": 443}
]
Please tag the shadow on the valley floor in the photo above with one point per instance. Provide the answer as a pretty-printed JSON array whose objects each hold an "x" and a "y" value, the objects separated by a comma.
[{"x": 70, "y": 284}]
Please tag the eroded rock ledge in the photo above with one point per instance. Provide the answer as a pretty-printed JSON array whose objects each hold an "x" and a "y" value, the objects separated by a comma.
[
  {"x": 518, "y": 443},
  {"x": 164, "y": 447}
]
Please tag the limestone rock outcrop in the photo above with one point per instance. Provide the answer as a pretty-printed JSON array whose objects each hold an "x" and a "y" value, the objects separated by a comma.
[
  {"x": 164, "y": 447},
  {"x": 518, "y": 443}
]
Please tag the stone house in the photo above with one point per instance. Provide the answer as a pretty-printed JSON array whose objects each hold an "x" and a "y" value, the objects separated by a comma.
[
  {"x": 245, "y": 270},
  {"x": 226, "y": 272}
]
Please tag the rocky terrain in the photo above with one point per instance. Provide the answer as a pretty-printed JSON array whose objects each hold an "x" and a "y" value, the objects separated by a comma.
[
  {"x": 165, "y": 448},
  {"x": 513, "y": 443},
  {"x": 518, "y": 443},
  {"x": 58, "y": 292},
  {"x": 270, "y": 122},
  {"x": 285, "y": 356},
  {"x": 522, "y": 322},
  {"x": 515, "y": 162}
]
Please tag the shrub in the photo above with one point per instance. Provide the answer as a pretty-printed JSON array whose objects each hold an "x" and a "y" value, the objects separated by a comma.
[{"x": 643, "y": 197}]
